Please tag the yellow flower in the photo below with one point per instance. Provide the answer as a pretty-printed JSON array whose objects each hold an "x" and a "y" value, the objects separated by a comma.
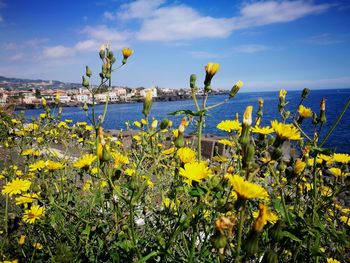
[
  {"x": 245, "y": 189},
  {"x": 137, "y": 138},
  {"x": 37, "y": 245},
  {"x": 345, "y": 220},
  {"x": 63, "y": 124},
  {"x": 262, "y": 130},
  {"x": 170, "y": 204},
  {"x": 68, "y": 121},
  {"x": 282, "y": 93},
  {"x": 37, "y": 166},
  {"x": 212, "y": 68},
  {"x": 119, "y": 159},
  {"x": 285, "y": 131},
  {"x": 129, "y": 171},
  {"x": 341, "y": 157},
  {"x": 10, "y": 261},
  {"x": 30, "y": 152},
  {"x": 137, "y": 124},
  {"x": 85, "y": 161},
  {"x": 52, "y": 166},
  {"x": 87, "y": 185},
  {"x": 127, "y": 52},
  {"x": 16, "y": 186},
  {"x": 26, "y": 198},
  {"x": 264, "y": 216},
  {"x": 229, "y": 126},
  {"x": 196, "y": 171},
  {"x": 22, "y": 240},
  {"x": 226, "y": 142},
  {"x": 332, "y": 260},
  {"x": 305, "y": 112},
  {"x": 337, "y": 172},
  {"x": 169, "y": 151},
  {"x": 299, "y": 166},
  {"x": 186, "y": 155},
  {"x": 35, "y": 212},
  {"x": 247, "y": 116},
  {"x": 326, "y": 191}
]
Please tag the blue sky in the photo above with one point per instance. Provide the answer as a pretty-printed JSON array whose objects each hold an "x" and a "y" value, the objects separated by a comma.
[{"x": 269, "y": 45}]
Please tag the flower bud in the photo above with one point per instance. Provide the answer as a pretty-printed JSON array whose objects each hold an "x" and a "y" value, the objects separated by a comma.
[
  {"x": 193, "y": 79},
  {"x": 314, "y": 118},
  {"x": 247, "y": 116},
  {"x": 127, "y": 52},
  {"x": 299, "y": 166},
  {"x": 57, "y": 98},
  {"x": 164, "y": 124},
  {"x": 305, "y": 93},
  {"x": 102, "y": 51},
  {"x": 179, "y": 141},
  {"x": 85, "y": 107},
  {"x": 104, "y": 68},
  {"x": 154, "y": 124},
  {"x": 85, "y": 83},
  {"x": 323, "y": 118},
  {"x": 88, "y": 72},
  {"x": 236, "y": 88},
  {"x": 251, "y": 245},
  {"x": 110, "y": 55},
  {"x": 211, "y": 69},
  {"x": 219, "y": 240},
  {"x": 147, "y": 103},
  {"x": 43, "y": 102}
]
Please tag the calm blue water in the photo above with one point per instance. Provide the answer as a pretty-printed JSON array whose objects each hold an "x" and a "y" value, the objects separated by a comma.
[{"x": 118, "y": 114}]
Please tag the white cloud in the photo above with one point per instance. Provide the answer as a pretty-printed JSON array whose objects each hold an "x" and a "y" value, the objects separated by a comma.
[
  {"x": 139, "y": 9},
  {"x": 10, "y": 46},
  {"x": 57, "y": 52},
  {"x": 181, "y": 23},
  {"x": 270, "y": 12},
  {"x": 87, "y": 45},
  {"x": 340, "y": 82},
  {"x": 17, "y": 57},
  {"x": 96, "y": 36},
  {"x": 103, "y": 34},
  {"x": 160, "y": 22},
  {"x": 324, "y": 40},
  {"x": 109, "y": 16},
  {"x": 204, "y": 55},
  {"x": 35, "y": 42},
  {"x": 251, "y": 48}
]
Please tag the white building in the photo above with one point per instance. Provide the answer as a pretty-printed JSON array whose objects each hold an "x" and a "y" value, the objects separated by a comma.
[{"x": 154, "y": 92}]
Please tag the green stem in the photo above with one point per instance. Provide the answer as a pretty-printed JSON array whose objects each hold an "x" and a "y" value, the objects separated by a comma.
[
  {"x": 240, "y": 230},
  {"x": 194, "y": 98},
  {"x": 281, "y": 192},
  {"x": 218, "y": 104},
  {"x": 336, "y": 123},
  {"x": 314, "y": 190},
  {"x": 193, "y": 243},
  {"x": 199, "y": 142},
  {"x": 6, "y": 212}
]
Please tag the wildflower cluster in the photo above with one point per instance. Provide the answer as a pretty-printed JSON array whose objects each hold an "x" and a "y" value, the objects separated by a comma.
[{"x": 75, "y": 192}]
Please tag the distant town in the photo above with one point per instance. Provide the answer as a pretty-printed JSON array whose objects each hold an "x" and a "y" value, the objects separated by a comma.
[{"x": 25, "y": 93}]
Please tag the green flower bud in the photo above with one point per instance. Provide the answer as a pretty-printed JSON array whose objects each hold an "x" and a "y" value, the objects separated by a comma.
[
  {"x": 108, "y": 75},
  {"x": 164, "y": 124},
  {"x": 281, "y": 166},
  {"x": 85, "y": 83},
  {"x": 314, "y": 118},
  {"x": 106, "y": 155},
  {"x": 270, "y": 257},
  {"x": 251, "y": 245},
  {"x": 110, "y": 55},
  {"x": 147, "y": 103},
  {"x": 102, "y": 52},
  {"x": 305, "y": 93},
  {"x": 88, "y": 72},
  {"x": 323, "y": 111},
  {"x": 193, "y": 79},
  {"x": 219, "y": 240},
  {"x": 236, "y": 88},
  {"x": 276, "y": 154},
  {"x": 85, "y": 107},
  {"x": 179, "y": 141}
]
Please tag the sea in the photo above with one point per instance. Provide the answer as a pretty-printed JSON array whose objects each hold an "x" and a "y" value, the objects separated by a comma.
[{"x": 339, "y": 141}]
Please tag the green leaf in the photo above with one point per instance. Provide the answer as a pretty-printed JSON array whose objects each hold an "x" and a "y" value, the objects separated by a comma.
[
  {"x": 291, "y": 236},
  {"x": 188, "y": 112},
  {"x": 325, "y": 151},
  {"x": 197, "y": 191}
]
